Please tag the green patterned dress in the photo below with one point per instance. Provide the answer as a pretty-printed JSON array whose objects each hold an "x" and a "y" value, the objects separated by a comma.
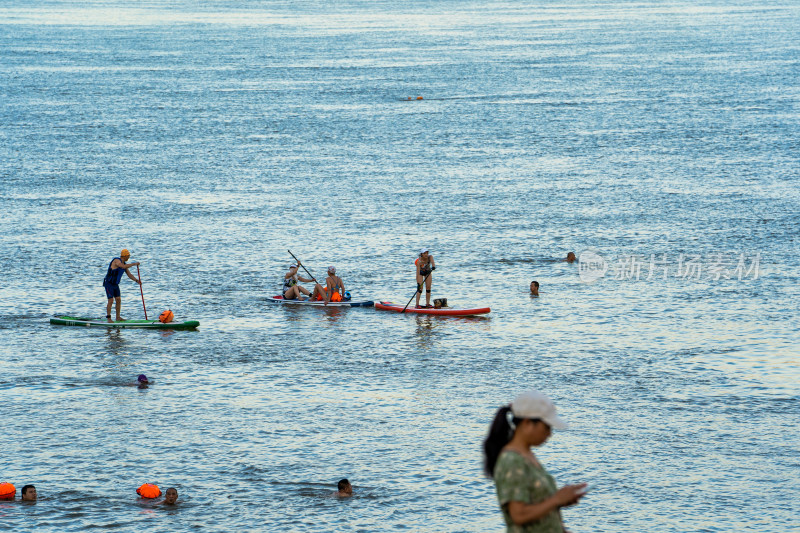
[{"x": 519, "y": 480}]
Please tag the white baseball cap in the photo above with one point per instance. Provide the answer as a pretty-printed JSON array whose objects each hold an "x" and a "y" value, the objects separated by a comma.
[
  {"x": 533, "y": 404},
  {"x": 423, "y": 251}
]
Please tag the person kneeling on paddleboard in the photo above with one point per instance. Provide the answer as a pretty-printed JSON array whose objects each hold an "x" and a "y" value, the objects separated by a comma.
[
  {"x": 116, "y": 267},
  {"x": 424, "y": 266},
  {"x": 333, "y": 290},
  {"x": 291, "y": 290}
]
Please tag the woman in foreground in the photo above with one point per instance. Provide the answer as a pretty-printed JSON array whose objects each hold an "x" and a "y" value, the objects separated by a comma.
[{"x": 526, "y": 492}]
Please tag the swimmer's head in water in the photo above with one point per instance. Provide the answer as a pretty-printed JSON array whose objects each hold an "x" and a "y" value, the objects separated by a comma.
[
  {"x": 142, "y": 378},
  {"x": 571, "y": 257},
  {"x": 534, "y": 286},
  {"x": 344, "y": 487},
  {"x": 28, "y": 493},
  {"x": 171, "y": 496}
]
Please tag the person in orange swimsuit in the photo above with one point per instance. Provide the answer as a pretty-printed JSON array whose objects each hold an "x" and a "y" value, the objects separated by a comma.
[{"x": 333, "y": 291}]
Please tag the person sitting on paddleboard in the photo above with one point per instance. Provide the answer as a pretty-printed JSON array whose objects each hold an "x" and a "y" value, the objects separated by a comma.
[
  {"x": 291, "y": 290},
  {"x": 117, "y": 266},
  {"x": 424, "y": 265},
  {"x": 333, "y": 291}
]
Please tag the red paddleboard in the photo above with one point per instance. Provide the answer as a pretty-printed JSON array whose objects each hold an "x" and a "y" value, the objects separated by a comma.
[{"x": 444, "y": 311}]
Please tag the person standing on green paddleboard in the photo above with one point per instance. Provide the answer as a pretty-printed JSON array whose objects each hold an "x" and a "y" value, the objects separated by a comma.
[{"x": 116, "y": 267}]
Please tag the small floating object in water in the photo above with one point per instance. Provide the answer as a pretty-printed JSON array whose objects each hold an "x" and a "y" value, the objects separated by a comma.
[
  {"x": 149, "y": 490},
  {"x": 7, "y": 491},
  {"x": 412, "y": 98}
]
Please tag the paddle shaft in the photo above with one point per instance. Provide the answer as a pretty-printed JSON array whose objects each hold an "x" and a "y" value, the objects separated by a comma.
[
  {"x": 141, "y": 291},
  {"x": 302, "y": 265},
  {"x": 418, "y": 290}
]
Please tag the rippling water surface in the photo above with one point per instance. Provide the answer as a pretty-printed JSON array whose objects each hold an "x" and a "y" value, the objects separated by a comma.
[{"x": 211, "y": 140}]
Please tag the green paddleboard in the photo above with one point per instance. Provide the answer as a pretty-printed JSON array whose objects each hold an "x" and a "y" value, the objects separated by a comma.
[{"x": 139, "y": 324}]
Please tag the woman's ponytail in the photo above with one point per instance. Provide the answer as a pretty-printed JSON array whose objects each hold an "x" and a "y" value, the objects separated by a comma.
[{"x": 500, "y": 434}]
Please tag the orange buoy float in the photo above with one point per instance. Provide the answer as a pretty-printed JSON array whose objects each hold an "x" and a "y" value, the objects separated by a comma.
[
  {"x": 7, "y": 491},
  {"x": 149, "y": 490},
  {"x": 166, "y": 316},
  {"x": 419, "y": 98}
]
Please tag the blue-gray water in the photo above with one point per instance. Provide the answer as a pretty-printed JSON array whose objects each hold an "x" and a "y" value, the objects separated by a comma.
[{"x": 209, "y": 140}]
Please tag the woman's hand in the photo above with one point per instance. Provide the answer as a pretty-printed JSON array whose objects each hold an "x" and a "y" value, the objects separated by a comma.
[
  {"x": 523, "y": 513},
  {"x": 569, "y": 494}
]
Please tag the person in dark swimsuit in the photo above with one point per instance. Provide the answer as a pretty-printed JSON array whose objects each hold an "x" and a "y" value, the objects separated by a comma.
[
  {"x": 291, "y": 290},
  {"x": 424, "y": 266},
  {"x": 116, "y": 267}
]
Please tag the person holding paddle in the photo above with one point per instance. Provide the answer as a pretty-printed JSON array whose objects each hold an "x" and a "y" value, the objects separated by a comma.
[
  {"x": 424, "y": 266},
  {"x": 333, "y": 291},
  {"x": 117, "y": 266},
  {"x": 291, "y": 290}
]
